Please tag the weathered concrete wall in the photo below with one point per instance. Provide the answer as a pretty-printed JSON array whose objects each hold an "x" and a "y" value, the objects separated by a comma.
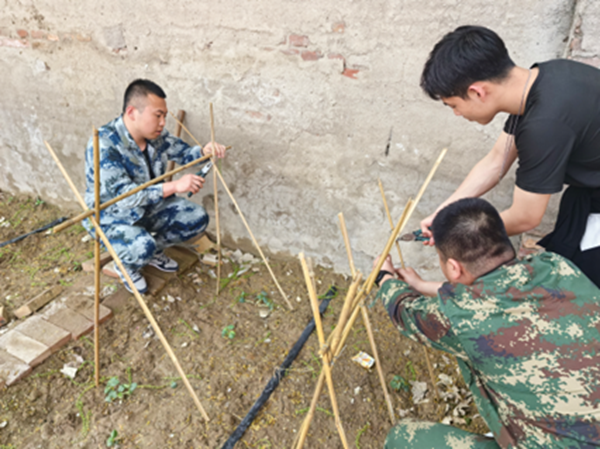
[{"x": 306, "y": 94}]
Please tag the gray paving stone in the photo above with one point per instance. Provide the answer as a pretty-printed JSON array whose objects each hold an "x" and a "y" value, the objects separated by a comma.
[
  {"x": 12, "y": 369},
  {"x": 45, "y": 332},
  {"x": 25, "y": 348}
]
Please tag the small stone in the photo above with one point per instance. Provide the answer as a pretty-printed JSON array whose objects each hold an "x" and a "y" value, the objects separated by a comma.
[
  {"x": 298, "y": 299},
  {"x": 86, "y": 238},
  {"x": 184, "y": 344},
  {"x": 264, "y": 313},
  {"x": 170, "y": 299},
  {"x": 3, "y": 424}
]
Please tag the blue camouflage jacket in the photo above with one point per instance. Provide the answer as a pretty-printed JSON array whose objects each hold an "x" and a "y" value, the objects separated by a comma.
[
  {"x": 527, "y": 340},
  {"x": 123, "y": 167}
]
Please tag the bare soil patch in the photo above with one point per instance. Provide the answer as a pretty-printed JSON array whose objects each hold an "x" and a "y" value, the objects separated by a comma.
[{"x": 224, "y": 345}]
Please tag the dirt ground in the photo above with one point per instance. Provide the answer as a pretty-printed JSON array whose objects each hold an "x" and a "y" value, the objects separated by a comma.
[{"x": 225, "y": 345}]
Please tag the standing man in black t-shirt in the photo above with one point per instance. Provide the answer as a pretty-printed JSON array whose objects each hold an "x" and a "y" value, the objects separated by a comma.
[{"x": 553, "y": 129}]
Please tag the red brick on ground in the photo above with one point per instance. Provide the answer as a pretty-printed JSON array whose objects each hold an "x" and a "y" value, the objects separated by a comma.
[
  {"x": 90, "y": 265},
  {"x": 117, "y": 300},
  {"x": 85, "y": 307},
  {"x": 184, "y": 257},
  {"x": 109, "y": 270},
  {"x": 45, "y": 332},
  {"x": 12, "y": 369},
  {"x": 73, "y": 322},
  {"x": 38, "y": 302},
  {"x": 24, "y": 348}
]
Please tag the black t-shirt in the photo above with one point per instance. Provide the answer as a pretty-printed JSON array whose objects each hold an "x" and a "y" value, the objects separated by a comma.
[{"x": 558, "y": 136}]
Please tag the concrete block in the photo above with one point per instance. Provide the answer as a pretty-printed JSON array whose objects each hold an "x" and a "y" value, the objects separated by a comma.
[
  {"x": 24, "y": 348},
  {"x": 73, "y": 322},
  {"x": 90, "y": 265},
  {"x": 45, "y": 332},
  {"x": 85, "y": 307},
  {"x": 38, "y": 302},
  {"x": 12, "y": 369}
]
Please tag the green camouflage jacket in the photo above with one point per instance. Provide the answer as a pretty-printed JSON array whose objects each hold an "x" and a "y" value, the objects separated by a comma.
[{"x": 527, "y": 340}]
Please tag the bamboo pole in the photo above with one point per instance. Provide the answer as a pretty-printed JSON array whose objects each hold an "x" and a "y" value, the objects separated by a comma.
[
  {"x": 136, "y": 293},
  {"x": 89, "y": 213},
  {"x": 324, "y": 354},
  {"x": 368, "y": 327},
  {"x": 387, "y": 211},
  {"x": 216, "y": 195},
  {"x": 97, "y": 266},
  {"x": 425, "y": 352},
  {"x": 347, "y": 243},
  {"x": 428, "y": 179},
  {"x": 345, "y": 313},
  {"x": 171, "y": 164},
  {"x": 241, "y": 214}
]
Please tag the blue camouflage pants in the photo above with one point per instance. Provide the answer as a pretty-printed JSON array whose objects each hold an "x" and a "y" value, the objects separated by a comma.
[
  {"x": 413, "y": 434},
  {"x": 173, "y": 220}
]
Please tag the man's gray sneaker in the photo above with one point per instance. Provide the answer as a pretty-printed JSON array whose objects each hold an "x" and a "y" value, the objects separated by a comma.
[
  {"x": 138, "y": 280},
  {"x": 164, "y": 262}
]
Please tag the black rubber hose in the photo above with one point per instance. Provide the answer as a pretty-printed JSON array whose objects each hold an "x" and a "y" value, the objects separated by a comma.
[
  {"x": 21, "y": 237},
  {"x": 274, "y": 382}
]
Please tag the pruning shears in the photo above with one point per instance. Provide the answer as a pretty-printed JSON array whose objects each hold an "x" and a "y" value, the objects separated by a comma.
[
  {"x": 202, "y": 173},
  {"x": 416, "y": 236}
]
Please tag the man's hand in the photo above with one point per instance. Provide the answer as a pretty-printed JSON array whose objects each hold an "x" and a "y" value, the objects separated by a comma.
[
  {"x": 219, "y": 150},
  {"x": 189, "y": 183},
  {"x": 410, "y": 276},
  {"x": 425, "y": 225}
]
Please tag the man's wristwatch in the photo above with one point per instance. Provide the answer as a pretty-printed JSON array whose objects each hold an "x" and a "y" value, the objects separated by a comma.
[{"x": 380, "y": 276}]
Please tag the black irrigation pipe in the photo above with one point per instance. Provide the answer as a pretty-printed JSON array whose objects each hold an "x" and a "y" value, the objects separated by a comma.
[
  {"x": 48, "y": 226},
  {"x": 280, "y": 372}
]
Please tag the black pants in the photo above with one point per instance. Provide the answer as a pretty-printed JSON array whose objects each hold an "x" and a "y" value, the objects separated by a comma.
[{"x": 576, "y": 204}]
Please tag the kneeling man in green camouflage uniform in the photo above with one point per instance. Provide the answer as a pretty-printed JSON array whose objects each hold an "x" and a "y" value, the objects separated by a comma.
[{"x": 526, "y": 334}]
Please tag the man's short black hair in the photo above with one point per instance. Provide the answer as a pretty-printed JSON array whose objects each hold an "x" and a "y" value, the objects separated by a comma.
[
  {"x": 471, "y": 231},
  {"x": 464, "y": 56},
  {"x": 141, "y": 88}
]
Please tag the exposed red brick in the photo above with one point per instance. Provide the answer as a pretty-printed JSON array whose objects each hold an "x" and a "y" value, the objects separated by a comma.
[
  {"x": 290, "y": 51},
  {"x": 297, "y": 40},
  {"x": 22, "y": 33},
  {"x": 16, "y": 43},
  {"x": 83, "y": 38},
  {"x": 53, "y": 37},
  {"x": 595, "y": 61},
  {"x": 255, "y": 114},
  {"x": 350, "y": 73},
  {"x": 311, "y": 55},
  {"x": 38, "y": 34},
  {"x": 336, "y": 56},
  {"x": 338, "y": 27}
]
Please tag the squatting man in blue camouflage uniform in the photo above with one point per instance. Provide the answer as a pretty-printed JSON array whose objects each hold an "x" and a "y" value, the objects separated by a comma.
[
  {"x": 135, "y": 148},
  {"x": 525, "y": 333}
]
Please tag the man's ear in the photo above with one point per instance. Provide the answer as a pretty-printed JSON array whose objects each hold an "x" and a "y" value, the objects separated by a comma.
[
  {"x": 478, "y": 90},
  {"x": 454, "y": 270},
  {"x": 131, "y": 112}
]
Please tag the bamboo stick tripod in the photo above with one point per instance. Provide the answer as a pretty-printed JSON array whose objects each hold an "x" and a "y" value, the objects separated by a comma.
[{"x": 354, "y": 303}]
